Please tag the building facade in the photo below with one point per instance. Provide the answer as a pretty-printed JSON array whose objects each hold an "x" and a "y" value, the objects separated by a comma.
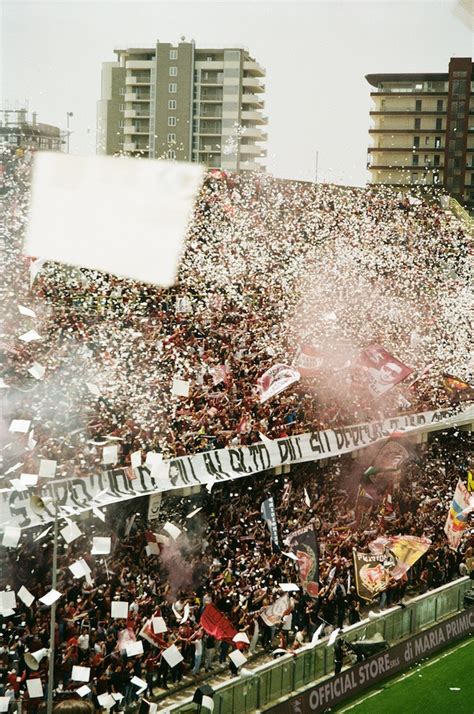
[
  {"x": 19, "y": 132},
  {"x": 423, "y": 129},
  {"x": 185, "y": 103}
]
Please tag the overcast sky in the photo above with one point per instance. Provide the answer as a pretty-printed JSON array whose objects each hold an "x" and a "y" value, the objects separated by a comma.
[{"x": 316, "y": 55}]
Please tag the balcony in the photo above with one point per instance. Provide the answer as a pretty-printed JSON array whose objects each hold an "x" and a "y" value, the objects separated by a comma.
[
  {"x": 143, "y": 130},
  {"x": 139, "y": 64},
  {"x": 142, "y": 97},
  {"x": 254, "y": 69},
  {"x": 137, "y": 80},
  {"x": 253, "y": 83},
  {"x": 252, "y": 149},
  {"x": 255, "y": 133},
  {"x": 253, "y": 100},
  {"x": 251, "y": 166},
  {"x": 129, "y": 146},
  {"x": 218, "y": 80},
  {"x": 254, "y": 116}
]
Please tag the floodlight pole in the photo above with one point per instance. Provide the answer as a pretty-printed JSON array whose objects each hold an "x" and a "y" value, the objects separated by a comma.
[
  {"x": 52, "y": 633},
  {"x": 68, "y": 114}
]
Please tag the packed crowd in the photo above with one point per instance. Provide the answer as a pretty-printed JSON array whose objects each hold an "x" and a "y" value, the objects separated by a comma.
[
  {"x": 224, "y": 555},
  {"x": 268, "y": 264}
]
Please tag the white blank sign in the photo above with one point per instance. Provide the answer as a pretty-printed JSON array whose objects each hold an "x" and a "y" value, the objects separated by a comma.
[{"x": 121, "y": 215}]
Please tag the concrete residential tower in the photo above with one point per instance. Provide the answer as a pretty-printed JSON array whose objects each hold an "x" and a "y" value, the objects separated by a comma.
[
  {"x": 423, "y": 129},
  {"x": 181, "y": 102}
]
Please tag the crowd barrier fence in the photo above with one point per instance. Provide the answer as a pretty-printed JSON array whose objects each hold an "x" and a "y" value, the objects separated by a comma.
[{"x": 266, "y": 684}]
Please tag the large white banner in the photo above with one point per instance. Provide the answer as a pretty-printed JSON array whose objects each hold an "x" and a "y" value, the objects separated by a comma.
[{"x": 114, "y": 485}]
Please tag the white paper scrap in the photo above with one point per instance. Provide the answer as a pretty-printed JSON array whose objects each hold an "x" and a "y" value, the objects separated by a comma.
[
  {"x": 110, "y": 454},
  {"x": 37, "y": 370},
  {"x": 172, "y": 655},
  {"x": 289, "y": 587},
  {"x": 20, "y": 426},
  {"x": 290, "y": 555},
  {"x": 50, "y": 597},
  {"x": 80, "y": 568},
  {"x": 70, "y": 532},
  {"x": 101, "y": 546},
  {"x": 83, "y": 691},
  {"x": 35, "y": 688},
  {"x": 119, "y": 609},
  {"x": 47, "y": 468},
  {"x": 30, "y": 336},
  {"x": 97, "y": 512},
  {"x": 134, "y": 648},
  {"x": 159, "y": 625},
  {"x": 333, "y": 637},
  {"x": 193, "y": 513},
  {"x": 89, "y": 196},
  {"x": 106, "y": 700},
  {"x": 4, "y": 704},
  {"x": 317, "y": 634},
  {"x": 136, "y": 459},
  {"x": 25, "y": 596},
  {"x": 11, "y": 536},
  {"x": 172, "y": 530},
  {"x": 7, "y": 600},
  {"x": 237, "y": 658},
  {"x": 241, "y": 637},
  {"x": 80, "y": 674},
  {"x": 29, "y": 479},
  {"x": 26, "y": 311},
  {"x": 140, "y": 683},
  {"x": 180, "y": 388},
  {"x": 93, "y": 389}
]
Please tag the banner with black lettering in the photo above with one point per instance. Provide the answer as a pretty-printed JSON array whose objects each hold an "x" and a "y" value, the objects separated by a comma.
[
  {"x": 269, "y": 516},
  {"x": 304, "y": 544},
  {"x": 77, "y": 495}
]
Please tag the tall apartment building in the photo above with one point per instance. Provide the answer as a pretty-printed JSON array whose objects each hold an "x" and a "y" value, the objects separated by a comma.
[
  {"x": 185, "y": 103},
  {"x": 423, "y": 129}
]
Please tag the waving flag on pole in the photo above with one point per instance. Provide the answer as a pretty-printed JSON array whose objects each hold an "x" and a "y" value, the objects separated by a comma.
[
  {"x": 456, "y": 522},
  {"x": 382, "y": 370},
  {"x": 308, "y": 360},
  {"x": 276, "y": 380}
]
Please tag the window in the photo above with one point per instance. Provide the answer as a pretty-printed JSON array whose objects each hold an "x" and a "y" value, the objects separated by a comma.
[
  {"x": 173, "y": 71},
  {"x": 416, "y": 141},
  {"x": 173, "y": 54},
  {"x": 171, "y": 154},
  {"x": 172, "y": 88},
  {"x": 171, "y": 103},
  {"x": 418, "y": 105},
  {"x": 427, "y": 140},
  {"x": 439, "y": 124},
  {"x": 436, "y": 160},
  {"x": 121, "y": 124},
  {"x": 171, "y": 138},
  {"x": 437, "y": 142},
  {"x": 439, "y": 105},
  {"x": 414, "y": 160},
  {"x": 121, "y": 107},
  {"x": 414, "y": 178},
  {"x": 417, "y": 123},
  {"x": 171, "y": 121},
  {"x": 122, "y": 90}
]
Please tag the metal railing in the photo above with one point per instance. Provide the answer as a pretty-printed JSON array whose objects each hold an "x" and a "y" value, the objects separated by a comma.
[{"x": 268, "y": 683}]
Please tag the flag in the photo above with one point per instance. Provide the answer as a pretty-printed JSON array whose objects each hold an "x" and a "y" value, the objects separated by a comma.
[
  {"x": 269, "y": 516},
  {"x": 456, "y": 387},
  {"x": 276, "y": 380},
  {"x": 405, "y": 549},
  {"x": 273, "y": 614},
  {"x": 456, "y": 522},
  {"x": 371, "y": 576},
  {"x": 303, "y": 542},
  {"x": 285, "y": 498},
  {"x": 392, "y": 455},
  {"x": 382, "y": 370},
  {"x": 148, "y": 633},
  {"x": 307, "y": 360},
  {"x": 216, "y": 624}
]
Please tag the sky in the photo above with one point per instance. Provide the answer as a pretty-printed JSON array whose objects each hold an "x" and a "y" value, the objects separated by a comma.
[{"x": 316, "y": 55}]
